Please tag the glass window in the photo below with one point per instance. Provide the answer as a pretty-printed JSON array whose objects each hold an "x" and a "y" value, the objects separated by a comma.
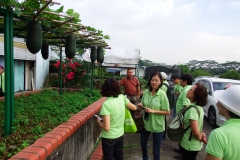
[
  {"x": 208, "y": 87},
  {"x": 201, "y": 82},
  {"x": 222, "y": 85}
]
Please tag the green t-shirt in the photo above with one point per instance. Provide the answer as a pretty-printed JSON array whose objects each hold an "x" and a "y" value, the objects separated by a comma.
[
  {"x": 115, "y": 108},
  {"x": 164, "y": 87},
  {"x": 159, "y": 101},
  {"x": 224, "y": 142},
  {"x": 192, "y": 114},
  {"x": 2, "y": 82},
  {"x": 178, "y": 88},
  {"x": 182, "y": 99}
]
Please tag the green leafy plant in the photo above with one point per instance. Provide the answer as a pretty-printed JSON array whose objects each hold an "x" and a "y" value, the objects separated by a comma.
[{"x": 38, "y": 114}]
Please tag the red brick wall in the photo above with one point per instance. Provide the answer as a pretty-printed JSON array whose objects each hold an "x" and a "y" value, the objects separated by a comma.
[{"x": 52, "y": 140}]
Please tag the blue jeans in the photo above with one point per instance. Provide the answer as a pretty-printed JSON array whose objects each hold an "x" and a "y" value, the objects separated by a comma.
[
  {"x": 157, "y": 140},
  {"x": 113, "y": 148}
]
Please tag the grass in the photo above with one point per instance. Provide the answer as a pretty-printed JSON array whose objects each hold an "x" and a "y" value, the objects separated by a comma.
[{"x": 38, "y": 114}]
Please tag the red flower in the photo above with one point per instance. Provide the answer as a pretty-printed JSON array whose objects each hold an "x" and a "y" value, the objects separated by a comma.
[
  {"x": 73, "y": 66},
  {"x": 70, "y": 75},
  {"x": 57, "y": 64},
  {"x": 64, "y": 66}
]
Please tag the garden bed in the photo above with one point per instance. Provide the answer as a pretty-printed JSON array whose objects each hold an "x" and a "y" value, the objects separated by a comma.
[{"x": 38, "y": 114}]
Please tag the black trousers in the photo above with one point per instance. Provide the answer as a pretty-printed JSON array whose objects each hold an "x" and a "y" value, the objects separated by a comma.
[
  {"x": 188, "y": 155},
  {"x": 2, "y": 94},
  {"x": 113, "y": 148}
]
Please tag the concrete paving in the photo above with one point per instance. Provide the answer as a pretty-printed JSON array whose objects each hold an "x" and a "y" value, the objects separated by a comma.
[{"x": 132, "y": 149}]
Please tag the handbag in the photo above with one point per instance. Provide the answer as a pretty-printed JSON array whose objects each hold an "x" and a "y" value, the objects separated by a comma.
[
  {"x": 129, "y": 124},
  {"x": 138, "y": 119}
]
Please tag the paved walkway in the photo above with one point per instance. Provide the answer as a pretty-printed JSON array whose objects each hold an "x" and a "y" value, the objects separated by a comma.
[{"x": 132, "y": 149}]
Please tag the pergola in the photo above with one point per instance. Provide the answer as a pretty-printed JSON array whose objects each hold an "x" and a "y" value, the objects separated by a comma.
[{"x": 56, "y": 25}]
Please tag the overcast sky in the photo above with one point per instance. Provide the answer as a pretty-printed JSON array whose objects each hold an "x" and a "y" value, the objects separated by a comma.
[{"x": 166, "y": 31}]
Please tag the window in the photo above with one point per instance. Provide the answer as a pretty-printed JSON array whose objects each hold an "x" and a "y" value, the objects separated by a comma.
[
  {"x": 222, "y": 85},
  {"x": 208, "y": 87}
]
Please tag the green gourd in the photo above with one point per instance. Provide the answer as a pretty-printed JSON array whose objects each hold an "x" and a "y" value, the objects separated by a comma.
[
  {"x": 34, "y": 36},
  {"x": 45, "y": 50},
  {"x": 100, "y": 54},
  {"x": 93, "y": 54},
  {"x": 70, "y": 46},
  {"x": 102, "y": 58}
]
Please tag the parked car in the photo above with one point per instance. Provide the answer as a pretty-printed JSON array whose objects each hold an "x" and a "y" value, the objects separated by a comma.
[
  {"x": 212, "y": 84},
  {"x": 195, "y": 79}
]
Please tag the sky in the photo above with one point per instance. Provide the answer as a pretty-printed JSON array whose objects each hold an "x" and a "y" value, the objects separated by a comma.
[{"x": 166, "y": 31}]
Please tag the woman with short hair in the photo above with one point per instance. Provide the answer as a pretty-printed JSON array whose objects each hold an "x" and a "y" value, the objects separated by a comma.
[
  {"x": 113, "y": 116},
  {"x": 223, "y": 142},
  {"x": 191, "y": 142}
]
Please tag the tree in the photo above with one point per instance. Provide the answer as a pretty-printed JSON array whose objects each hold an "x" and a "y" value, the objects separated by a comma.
[
  {"x": 199, "y": 72},
  {"x": 231, "y": 74},
  {"x": 184, "y": 69}
]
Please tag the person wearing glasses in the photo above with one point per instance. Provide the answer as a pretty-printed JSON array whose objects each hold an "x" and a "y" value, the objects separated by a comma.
[
  {"x": 223, "y": 142},
  {"x": 192, "y": 140},
  {"x": 155, "y": 104}
]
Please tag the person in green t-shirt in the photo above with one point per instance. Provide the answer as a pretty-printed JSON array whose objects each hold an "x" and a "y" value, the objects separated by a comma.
[
  {"x": 223, "y": 142},
  {"x": 113, "y": 116},
  {"x": 164, "y": 87},
  {"x": 186, "y": 83},
  {"x": 191, "y": 142},
  {"x": 165, "y": 83},
  {"x": 177, "y": 89},
  {"x": 155, "y": 104},
  {"x": 2, "y": 81},
  {"x": 183, "y": 101}
]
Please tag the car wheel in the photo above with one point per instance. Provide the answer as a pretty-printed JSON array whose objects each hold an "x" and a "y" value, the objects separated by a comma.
[{"x": 212, "y": 116}]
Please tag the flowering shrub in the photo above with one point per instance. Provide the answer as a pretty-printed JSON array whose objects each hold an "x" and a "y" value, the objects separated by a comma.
[{"x": 72, "y": 71}]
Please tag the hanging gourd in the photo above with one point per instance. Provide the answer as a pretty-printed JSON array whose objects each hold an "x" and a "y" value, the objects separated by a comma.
[
  {"x": 100, "y": 54},
  {"x": 34, "y": 36},
  {"x": 102, "y": 58},
  {"x": 45, "y": 50},
  {"x": 70, "y": 46},
  {"x": 93, "y": 54}
]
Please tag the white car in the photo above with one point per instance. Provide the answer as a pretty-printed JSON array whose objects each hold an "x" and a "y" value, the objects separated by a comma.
[{"x": 212, "y": 84}]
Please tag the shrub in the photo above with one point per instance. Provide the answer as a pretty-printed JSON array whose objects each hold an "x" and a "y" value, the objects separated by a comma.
[{"x": 73, "y": 71}]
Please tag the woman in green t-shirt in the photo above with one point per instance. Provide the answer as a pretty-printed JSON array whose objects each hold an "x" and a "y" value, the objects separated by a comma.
[
  {"x": 155, "y": 103},
  {"x": 191, "y": 142},
  {"x": 113, "y": 116},
  {"x": 223, "y": 142}
]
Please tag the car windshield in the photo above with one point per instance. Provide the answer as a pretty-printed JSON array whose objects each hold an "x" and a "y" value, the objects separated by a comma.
[{"x": 222, "y": 85}]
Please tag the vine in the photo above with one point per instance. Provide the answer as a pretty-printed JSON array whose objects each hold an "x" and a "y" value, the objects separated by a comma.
[{"x": 28, "y": 9}]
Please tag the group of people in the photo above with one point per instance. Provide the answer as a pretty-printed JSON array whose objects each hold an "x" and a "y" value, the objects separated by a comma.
[{"x": 222, "y": 143}]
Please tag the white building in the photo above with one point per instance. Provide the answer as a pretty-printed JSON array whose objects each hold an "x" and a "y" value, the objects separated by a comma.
[{"x": 30, "y": 70}]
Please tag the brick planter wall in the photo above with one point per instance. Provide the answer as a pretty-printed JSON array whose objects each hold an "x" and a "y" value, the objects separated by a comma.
[{"x": 72, "y": 140}]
